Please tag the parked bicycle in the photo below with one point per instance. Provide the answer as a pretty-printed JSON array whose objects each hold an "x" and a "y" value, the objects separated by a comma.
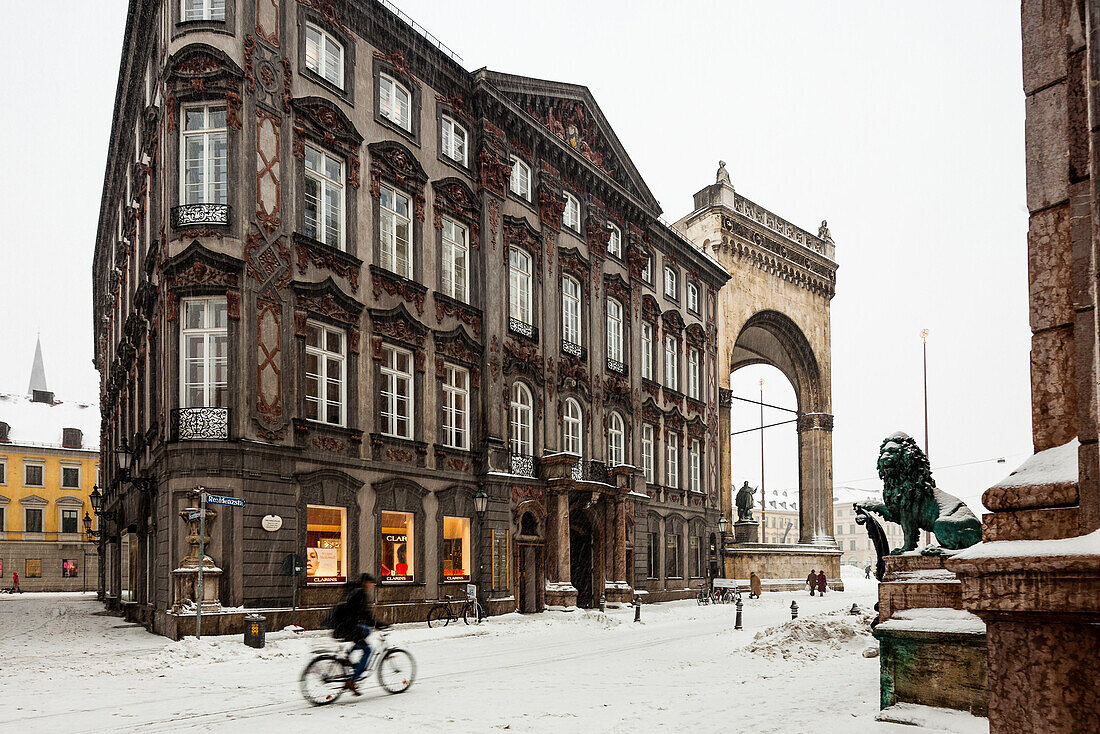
[
  {"x": 450, "y": 609},
  {"x": 324, "y": 676},
  {"x": 704, "y": 595}
]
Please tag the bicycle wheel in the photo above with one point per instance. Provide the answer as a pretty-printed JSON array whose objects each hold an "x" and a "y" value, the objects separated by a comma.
[
  {"x": 323, "y": 679},
  {"x": 439, "y": 616},
  {"x": 472, "y": 613},
  {"x": 396, "y": 670}
]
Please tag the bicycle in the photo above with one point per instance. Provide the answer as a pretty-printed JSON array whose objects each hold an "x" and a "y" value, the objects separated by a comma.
[
  {"x": 704, "y": 595},
  {"x": 472, "y": 612},
  {"x": 324, "y": 677}
]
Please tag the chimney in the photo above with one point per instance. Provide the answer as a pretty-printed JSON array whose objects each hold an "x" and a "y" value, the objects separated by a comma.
[
  {"x": 42, "y": 396},
  {"x": 72, "y": 438},
  {"x": 4, "y": 428}
]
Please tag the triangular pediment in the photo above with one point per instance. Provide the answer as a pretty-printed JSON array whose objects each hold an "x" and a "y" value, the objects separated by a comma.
[{"x": 570, "y": 112}]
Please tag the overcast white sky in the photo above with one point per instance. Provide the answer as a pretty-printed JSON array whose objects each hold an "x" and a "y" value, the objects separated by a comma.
[{"x": 901, "y": 123}]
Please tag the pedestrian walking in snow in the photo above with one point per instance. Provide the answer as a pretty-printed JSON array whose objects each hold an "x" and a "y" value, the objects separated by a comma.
[
  {"x": 811, "y": 581},
  {"x": 755, "y": 587},
  {"x": 867, "y": 571},
  {"x": 821, "y": 586},
  {"x": 15, "y": 582}
]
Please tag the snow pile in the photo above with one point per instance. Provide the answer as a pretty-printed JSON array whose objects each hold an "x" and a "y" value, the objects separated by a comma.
[
  {"x": 1082, "y": 545},
  {"x": 1053, "y": 466},
  {"x": 811, "y": 638},
  {"x": 935, "y": 620}
]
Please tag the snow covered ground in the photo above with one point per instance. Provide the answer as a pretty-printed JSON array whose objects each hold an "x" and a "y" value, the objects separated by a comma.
[{"x": 68, "y": 667}]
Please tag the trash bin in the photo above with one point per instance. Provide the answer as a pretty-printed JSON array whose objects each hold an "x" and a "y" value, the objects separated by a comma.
[{"x": 254, "y": 630}]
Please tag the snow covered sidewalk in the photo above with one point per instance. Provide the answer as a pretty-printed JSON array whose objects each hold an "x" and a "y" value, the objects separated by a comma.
[{"x": 67, "y": 668}]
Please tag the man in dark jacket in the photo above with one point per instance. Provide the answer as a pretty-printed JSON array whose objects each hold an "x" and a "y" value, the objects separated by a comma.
[
  {"x": 354, "y": 623},
  {"x": 811, "y": 580}
]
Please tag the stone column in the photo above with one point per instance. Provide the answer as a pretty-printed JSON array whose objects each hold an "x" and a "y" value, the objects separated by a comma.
[
  {"x": 815, "y": 480},
  {"x": 725, "y": 477},
  {"x": 620, "y": 541}
]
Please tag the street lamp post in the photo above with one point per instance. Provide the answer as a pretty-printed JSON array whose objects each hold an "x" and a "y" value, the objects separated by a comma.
[
  {"x": 924, "y": 350},
  {"x": 481, "y": 504},
  {"x": 763, "y": 493},
  {"x": 723, "y": 526}
]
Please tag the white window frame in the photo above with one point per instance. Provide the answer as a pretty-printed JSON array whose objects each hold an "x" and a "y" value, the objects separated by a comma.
[
  {"x": 201, "y": 10},
  {"x": 389, "y": 90},
  {"x": 321, "y": 53},
  {"x": 520, "y": 285},
  {"x": 672, "y": 460},
  {"x": 522, "y": 420},
  {"x": 693, "y": 298},
  {"x": 61, "y": 510},
  {"x": 571, "y": 216},
  {"x": 323, "y": 354},
  {"x": 325, "y": 186},
  {"x": 392, "y": 255},
  {"x": 519, "y": 181},
  {"x": 571, "y": 321},
  {"x": 456, "y": 282},
  {"x": 209, "y": 335},
  {"x": 695, "y": 458},
  {"x": 615, "y": 241},
  {"x": 572, "y": 428},
  {"x": 456, "y": 407},
  {"x": 614, "y": 330},
  {"x": 672, "y": 285},
  {"x": 450, "y": 135},
  {"x": 647, "y": 271},
  {"x": 38, "y": 463},
  {"x": 3, "y": 474},
  {"x": 36, "y": 507},
  {"x": 647, "y": 350},
  {"x": 616, "y": 440},
  {"x": 672, "y": 363},
  {"x": 649, "y": 457},
  {"x": 390, "y": 393},
  {"x": 213, "y": 191},
  {"x": 694, "y": 359},
  {"x": 79, "y": 477}
]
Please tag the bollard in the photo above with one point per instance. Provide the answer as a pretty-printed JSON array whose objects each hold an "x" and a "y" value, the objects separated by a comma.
[
  {"x": 637, "y": 610},
  {"x": 254, "y": 632},
  {"x": 603, "y": 602},
  {"x": 794, "y": 610},
  {"x": 737, "y": 620},
  {"x": 855, "y": 610}
]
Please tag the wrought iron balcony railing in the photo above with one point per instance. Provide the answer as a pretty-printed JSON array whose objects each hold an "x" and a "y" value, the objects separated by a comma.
[
  {"x": 590, "y": 471},
  {"x": 523, "y": 328},
  {"x": 572, "y": 349},
  {"x": 614, "y": 365},
  {"x": 190, "y": 215},
  {"x": 201, "y": 424},
  {"x": 524, "y": 465}
]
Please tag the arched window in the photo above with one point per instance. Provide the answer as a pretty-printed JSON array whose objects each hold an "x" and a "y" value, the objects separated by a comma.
[
  {"x": 519, "y": 289},
  {"x": 571, "y": 310},
  {"x": 571, "y": 217},
  {"x": 572, "y": 428},
  {"x": 616, "y": 440},
  {"x": 520, "y": 180},
  {"x": 693, "y": 298},
  {"x": 614, "y": 331},
  {"x": 522, "y": 420}
]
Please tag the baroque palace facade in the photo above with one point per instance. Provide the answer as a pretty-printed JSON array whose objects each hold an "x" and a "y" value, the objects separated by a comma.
[{"x": 366, "y": 291}]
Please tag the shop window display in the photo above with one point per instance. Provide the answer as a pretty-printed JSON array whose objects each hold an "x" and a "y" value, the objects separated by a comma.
[
  {"x": 69, "y": 569},
  {"x": 397, "y": 547},
  {"x": 456, "y": 549},
  {"x": 326, "y": 545}
]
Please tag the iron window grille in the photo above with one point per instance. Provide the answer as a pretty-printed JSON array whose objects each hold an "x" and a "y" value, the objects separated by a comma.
[
  {"x": 201, "y": 424},
  {"x": 522, "y": 328},
  {"x": 189, "y": 215},
  {"x": 524, "y": 465}
]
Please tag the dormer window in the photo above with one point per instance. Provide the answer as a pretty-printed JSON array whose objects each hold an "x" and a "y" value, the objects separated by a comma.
[
  {"x": 394, "y": 102},
  {"x": 324, "y": 56},
  {"x": 520, "y": 181},
  {"x": 453, "y": 140},
  {"x": 571, "y": 217},
  {"x": 615, "y": 242},
  {"x": 202, "y": 10}
]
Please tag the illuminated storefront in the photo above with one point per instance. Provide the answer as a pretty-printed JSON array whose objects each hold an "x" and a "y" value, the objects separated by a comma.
[
  {"x": 456, "y": 549},
  {"x": 326, "y": 545},
  {"x": 397, "y": 547}
]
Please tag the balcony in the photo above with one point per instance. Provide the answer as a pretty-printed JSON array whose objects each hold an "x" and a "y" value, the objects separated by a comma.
[
  {"x": 614, "y": 365},
  {"x": 523, "y": 328},
  {"x": 590, "y": 471},
  {"x": 524, "y": 465},
  {"x": 572, "y": 349},
  {"x": 191, "y": 215},
  {"x": 201, "y": 424}
]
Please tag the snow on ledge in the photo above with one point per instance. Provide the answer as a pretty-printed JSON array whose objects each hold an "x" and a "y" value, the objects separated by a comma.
[
  {"x": 1053, "y": 466},
  {"x": 935, "y": 620},
  {"x": 932, "y": 717},
  {"x": 1082, "y": 545}
]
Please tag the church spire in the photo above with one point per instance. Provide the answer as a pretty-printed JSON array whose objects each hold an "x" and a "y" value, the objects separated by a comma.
[{"x": 38, "y": 370}]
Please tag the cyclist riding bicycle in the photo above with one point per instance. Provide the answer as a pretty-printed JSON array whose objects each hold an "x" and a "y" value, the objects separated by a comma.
[{"x": 353, "y": 621}]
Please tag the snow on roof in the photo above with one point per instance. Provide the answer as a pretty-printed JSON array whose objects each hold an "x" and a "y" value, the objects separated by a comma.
[
  {"x": 41, "y": 424},
  {"x": 1053, "y": 466}
]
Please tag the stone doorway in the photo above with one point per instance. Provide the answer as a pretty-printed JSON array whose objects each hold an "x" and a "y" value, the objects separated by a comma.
[
  {"x": 530, "y": 575},
  {"x": 581, "y": 557}
]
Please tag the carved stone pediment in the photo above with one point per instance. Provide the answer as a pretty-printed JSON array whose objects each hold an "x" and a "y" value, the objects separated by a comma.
[
  {"x": 199, "y": 67},
  {"x": 651, "y": 311},
  {"x": 198, "y": 267},
  {"x": 393, "y": 161},
  {"x": 522, "y": 357},
  {"x": 457, "y": 345},
  {"x": 326, "y": 122},
  {"x": 326, "y": 299},
  {"x": 573, "y": 262},
  {"x": 398, "y": 325},
  {"x": 696, "y": 337},
  {"x": 673, "y": 321},
  {"x": 454, "y": 199},
  {"x": 617, "y": 287},
  {"x": 407, "y": 290},
  {"x": 651, "y": 412},
  {"x": 311, "y": 252}
]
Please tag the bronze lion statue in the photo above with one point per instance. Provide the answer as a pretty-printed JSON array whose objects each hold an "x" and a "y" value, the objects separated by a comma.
[{"x": 912, "y": 500}]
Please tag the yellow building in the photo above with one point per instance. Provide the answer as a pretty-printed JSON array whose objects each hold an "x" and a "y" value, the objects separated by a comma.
[{"x": 49, "y": 463}]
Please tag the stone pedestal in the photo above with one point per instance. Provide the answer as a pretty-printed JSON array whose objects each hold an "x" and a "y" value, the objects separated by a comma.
[
  {"x": 746, "y": 531},
  {"x": 185, "y": 578},
  {"x": 932, "y": 653},
  {"x": 782, "y": 567}
]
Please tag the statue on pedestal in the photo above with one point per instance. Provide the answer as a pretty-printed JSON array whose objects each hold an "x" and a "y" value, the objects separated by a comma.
[
  {"x": 723, "y": 175},
  {"x": 185, "y": 579},
  {"x": 745, "y": 503}
]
